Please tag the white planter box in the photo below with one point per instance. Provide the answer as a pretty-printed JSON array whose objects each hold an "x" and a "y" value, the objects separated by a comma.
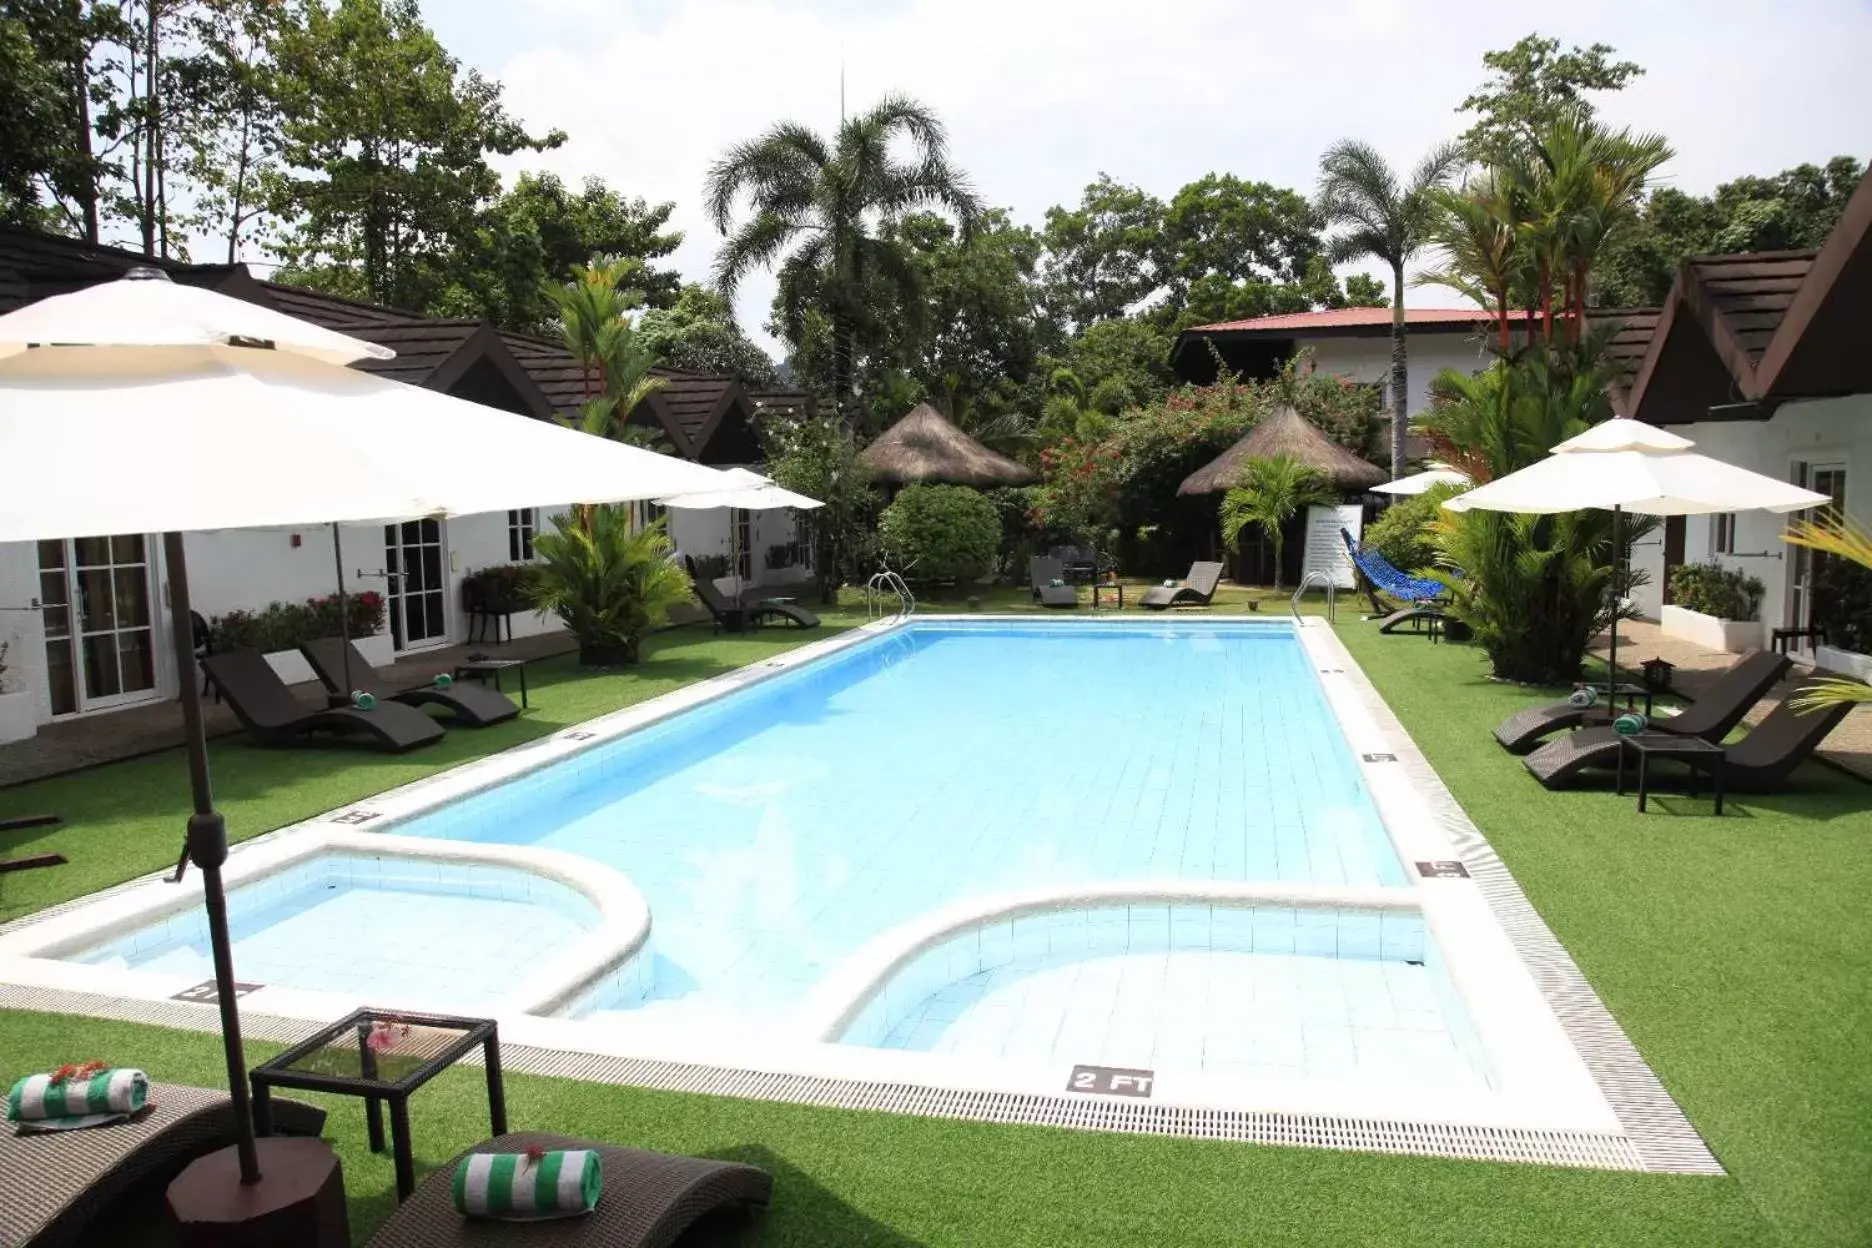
[
  {"x": 294, "y": 670},
  {"x": 19, "y": 716},
  {"x": 1844, "y": 662},
  {"x": 1731, "y": 636}
]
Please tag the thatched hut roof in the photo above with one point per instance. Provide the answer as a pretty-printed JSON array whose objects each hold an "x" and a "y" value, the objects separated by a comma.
[
  {"x": 1285, "y": 432},
  {"x": 925, "y": 447}
]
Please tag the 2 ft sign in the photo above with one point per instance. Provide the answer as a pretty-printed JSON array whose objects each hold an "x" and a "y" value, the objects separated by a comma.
[{"x": 1111, "y": 1081}]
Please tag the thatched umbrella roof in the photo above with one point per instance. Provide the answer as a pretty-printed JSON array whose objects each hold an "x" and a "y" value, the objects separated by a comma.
[
  {"x": 925, "y": 447},
  {"x": 1285, "y": 432}
]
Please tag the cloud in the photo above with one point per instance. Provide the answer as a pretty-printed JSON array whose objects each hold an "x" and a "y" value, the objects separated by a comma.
[{"x": 1041, "y": 97}]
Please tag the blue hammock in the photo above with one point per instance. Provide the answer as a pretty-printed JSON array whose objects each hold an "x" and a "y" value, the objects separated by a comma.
[{"x": 1379, "y": 572}]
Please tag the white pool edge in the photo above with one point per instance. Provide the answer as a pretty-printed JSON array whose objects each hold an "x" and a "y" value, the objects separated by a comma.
[{"x": 1562, "y": 1067}]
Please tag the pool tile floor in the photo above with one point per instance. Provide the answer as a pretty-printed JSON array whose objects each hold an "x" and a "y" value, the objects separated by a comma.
[{"x": 1247, "y": 1015}]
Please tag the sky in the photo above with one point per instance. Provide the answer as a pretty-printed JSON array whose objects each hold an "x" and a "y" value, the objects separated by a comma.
[{"x": 1040, "y": 96}]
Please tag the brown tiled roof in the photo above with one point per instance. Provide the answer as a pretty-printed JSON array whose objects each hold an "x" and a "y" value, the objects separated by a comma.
[{"x": 1750, "y": 292}]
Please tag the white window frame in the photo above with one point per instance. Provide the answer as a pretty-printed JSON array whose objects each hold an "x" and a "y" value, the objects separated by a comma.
[
  {"x": 1723, "y": 533},
  {"x": 523, "y": 525}
]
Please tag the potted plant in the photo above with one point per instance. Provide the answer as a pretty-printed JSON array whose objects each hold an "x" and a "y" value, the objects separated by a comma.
[
  {"x": 279, "y": 630},
  {"x": 19, "y": 711},
  {"x": 608, "y": 584},
  {"x": 1714, "y": 606}
]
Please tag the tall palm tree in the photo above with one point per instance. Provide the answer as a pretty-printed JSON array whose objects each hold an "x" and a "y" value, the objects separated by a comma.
[
  {"x": 1272, "y": 492},
  {"x": 814, "y": 207},
  {"x": 1385, "y": 219},
  {"x": 1477, "y": 235}
]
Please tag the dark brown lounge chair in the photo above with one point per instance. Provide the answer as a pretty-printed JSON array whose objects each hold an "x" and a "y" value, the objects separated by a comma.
[
  {"x": 738, "y": 615},
  {"x": 649, "y": 1200},
  {"x": 1761, "y": 761},
  {"x": 1042, "y": 571},
  {"x": 1195, "y": 591},
  {"x": 270, "y": 712},
  {"x": 104, "y": 1185},
  {"x": 1712, "y": 716},
  {"x": 474, "y": 705}
]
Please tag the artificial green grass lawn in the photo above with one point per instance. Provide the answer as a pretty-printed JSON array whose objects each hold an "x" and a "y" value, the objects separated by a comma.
[{"x": 1734, "y": 951}]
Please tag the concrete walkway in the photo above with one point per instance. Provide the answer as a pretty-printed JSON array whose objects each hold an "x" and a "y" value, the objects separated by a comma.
[
  {"x": 1849, "y": 745},
  {"x": 70, "y": 744}
]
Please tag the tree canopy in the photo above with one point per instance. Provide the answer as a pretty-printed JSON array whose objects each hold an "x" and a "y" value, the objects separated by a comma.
[{"x": 1531, "y": 85}]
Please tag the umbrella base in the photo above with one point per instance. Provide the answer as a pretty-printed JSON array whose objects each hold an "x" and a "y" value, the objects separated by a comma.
[{"x": 299, "y": 1201}]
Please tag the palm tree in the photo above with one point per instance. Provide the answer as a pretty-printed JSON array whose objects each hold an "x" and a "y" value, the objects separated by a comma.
[
  {"x": 595, "y": 325},
  {"x": 1272, "y": 492},
  {"x": 1477, "y": 234},
  {"x": 1386, "y": 220},
  {"x": 819, "y": 204},
  {"x": 1843, "y": 538}
]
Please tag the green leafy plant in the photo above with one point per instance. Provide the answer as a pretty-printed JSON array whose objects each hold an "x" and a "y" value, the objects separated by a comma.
[
  {"x": 941, "y": 533},
  {"x": 610, "y": 584},
  {"x": 287, "y": 625},
  {"x": 1405, "y": 533},
  {"x": 1845, "y": 583},
  {"x": 1711, "y": 589},
  {"x": 1272, "y": 492}
]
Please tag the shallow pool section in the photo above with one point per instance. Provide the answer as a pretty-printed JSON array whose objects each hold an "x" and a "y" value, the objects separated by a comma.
[
  {"x": 385, "y": 929},
  {"x": 1261, "y": 992},
  {"x": 778, "y": 829}
]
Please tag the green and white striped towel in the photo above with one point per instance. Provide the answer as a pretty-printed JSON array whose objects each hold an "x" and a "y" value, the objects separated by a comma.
[
  {"x": 516, "y": 1187},
  {"x": 39, "y": 1104}
]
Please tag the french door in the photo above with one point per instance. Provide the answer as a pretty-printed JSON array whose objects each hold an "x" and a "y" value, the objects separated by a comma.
[
  {"x": 100, "y": 621},
  {"x": 418, "y": 575},
  {"x": 1807, "y": 608}
]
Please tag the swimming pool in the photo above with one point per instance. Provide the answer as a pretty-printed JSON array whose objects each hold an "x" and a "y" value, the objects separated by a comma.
[{"x": 777, "y": 830}]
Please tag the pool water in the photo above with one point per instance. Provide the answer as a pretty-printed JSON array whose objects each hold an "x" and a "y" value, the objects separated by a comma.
[
  {"x": 410, "y": 934},
  {"x": 775, "y": 831}
]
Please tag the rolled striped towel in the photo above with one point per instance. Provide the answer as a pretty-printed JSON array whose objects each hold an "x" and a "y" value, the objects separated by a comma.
[
  {"x": 45, "y": 1103},
  {"x": 516, "y": 1187},
  {"x": 1630, "y": 724},
  {"x": 1583, "y": 697}
]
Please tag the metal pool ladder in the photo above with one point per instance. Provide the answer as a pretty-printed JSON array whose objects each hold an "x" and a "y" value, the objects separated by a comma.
[
  {"x": 1332, "y": 594},
  {"x": 883, "y": 583}
]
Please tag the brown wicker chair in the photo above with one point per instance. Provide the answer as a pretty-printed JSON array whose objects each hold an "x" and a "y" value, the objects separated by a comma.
[
  {"x": 649, "y": 1200},
  {"x": 78, "y": 1187}
]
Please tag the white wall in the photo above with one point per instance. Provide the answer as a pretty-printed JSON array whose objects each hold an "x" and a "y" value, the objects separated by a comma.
[
  {"x": 1369, "y": 359},
  {"x": 1823, "y": 430}
]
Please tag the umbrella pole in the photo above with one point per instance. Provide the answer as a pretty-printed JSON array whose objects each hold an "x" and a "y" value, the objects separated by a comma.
[
  {"x": 208, "y": 847},
  {"x": 344, "y": 611},
  {"x": 1612, "y": 676}
]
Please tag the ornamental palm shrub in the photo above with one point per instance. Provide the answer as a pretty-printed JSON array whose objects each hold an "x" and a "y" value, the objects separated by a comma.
[
  {"x": 1272, "y": 492},
  {"x": 610, "y": 584},
  {"x": 1534, "y": 589},
  {"x": 941, "y": 533}
]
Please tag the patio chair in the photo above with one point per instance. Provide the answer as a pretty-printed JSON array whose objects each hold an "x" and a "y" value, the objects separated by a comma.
[
  {"x": 273, "y": 716},
  {"x": 1197, "y": 589},
  {"x": 1046, "y": 577},
  {"x": 474, "y": 705},
  {"x": 1421, "y": 596},
  {"x": 649, "y": 1200},
  {"x": 1712, "y": 716},
  {"x": 737, "y": 615},
  {"x": 1078, "y": 563},
  {"x": 1759, "y": 762},
  {"x": 104, "y": 1185}
]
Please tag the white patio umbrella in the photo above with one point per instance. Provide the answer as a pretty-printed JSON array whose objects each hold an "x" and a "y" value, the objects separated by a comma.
[
  {"x": 1418, "y": 482},
  {"x": 143, "y": 406},
  {"x": 745, "y": 490},
  {"x": 1626, "y": 465}
]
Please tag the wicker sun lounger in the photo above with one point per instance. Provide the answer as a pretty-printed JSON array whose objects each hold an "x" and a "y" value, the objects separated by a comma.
[
  {"x": 1761, "y": 761},
  {"x": 737, "y": 615},
  {"x": 270, "y": 712},
  {"x": 1712, "y": 716},
  {"x": 1042, "y": 572},
  {"x": 474, "y": 705},
  {"x": 1196, "y": 590},
  {"x": 649, "y": 1200},
  {"x": 99, "y": 1185}
]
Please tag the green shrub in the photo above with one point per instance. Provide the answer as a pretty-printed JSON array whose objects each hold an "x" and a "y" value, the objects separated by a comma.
[
  {"x": 1712, "y": 589},
  {"x": 941, "y": 533},
  {"x": 1843, "y": 603},
  {"x": 610, "y": 584},
  {"x": 499, "y": 588},
  {"x": 1403, "y": 535},
  {"x": 286, "y": 625}
]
